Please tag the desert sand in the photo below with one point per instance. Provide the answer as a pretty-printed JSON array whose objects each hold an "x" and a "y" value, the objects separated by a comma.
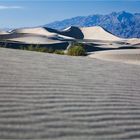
[
  {"x": 96, "y": 37},
  {"x": 53, "y": 97},
  {"x": 35, "y": 30},
  {"x": 37, "y": 35},
  {"x": 134, "y": 41},
  {"x": 3, "y": 32},
  {"x": 130, "y": 56},
  {"x": 43, "y": 35},
  {"x": 98, "y": 33},
  {"x": 34, "y": 39}
]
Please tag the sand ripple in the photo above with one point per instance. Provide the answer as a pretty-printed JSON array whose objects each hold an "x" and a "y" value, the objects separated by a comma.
[{"x": 64, "y": 98}]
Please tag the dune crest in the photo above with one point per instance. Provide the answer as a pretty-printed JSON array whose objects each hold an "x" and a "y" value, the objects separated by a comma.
[{"x": 38, "y": 31}]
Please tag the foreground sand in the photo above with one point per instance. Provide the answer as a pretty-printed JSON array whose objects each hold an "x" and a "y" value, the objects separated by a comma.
[{"x": 67, "y": 98}]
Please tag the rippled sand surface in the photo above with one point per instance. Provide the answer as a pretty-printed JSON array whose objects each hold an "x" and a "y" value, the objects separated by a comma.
[{"x": 67, "y": 98}]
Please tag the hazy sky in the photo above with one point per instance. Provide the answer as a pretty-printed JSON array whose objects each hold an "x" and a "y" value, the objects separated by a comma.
[{"x": 23, "y": 13}]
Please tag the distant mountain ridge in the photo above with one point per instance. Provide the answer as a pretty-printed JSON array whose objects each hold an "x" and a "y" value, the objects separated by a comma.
[{"x": 122, "y": 24}]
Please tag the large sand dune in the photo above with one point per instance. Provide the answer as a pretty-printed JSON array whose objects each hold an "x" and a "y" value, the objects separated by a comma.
[
  {"x": 38, "y": 35},
  {"x": 98, "y": 33},
  {"x": 33, "y": 39},
  {"x": 44, "y": 96},
  {"x": 3, "y": 32},
  {"x": 37, "y": 30}
]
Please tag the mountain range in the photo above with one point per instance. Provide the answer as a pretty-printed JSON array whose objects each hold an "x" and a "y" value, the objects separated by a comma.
[{"x": 122, "y": 24}]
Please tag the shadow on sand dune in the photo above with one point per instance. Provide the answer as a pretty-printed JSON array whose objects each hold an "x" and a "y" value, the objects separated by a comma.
[
  {"x": 17, "y": 45},
  {"x": 74, "y": 32},
  {"x": 97, "y": 47}
]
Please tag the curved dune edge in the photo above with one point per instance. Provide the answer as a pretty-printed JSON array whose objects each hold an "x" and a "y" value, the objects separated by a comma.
[
  {"x": 128, "y": 56},
  {"x": 34, "y": 40},
  {"x": 97, "y": 32},
  {"x": 34, "y": 30}
]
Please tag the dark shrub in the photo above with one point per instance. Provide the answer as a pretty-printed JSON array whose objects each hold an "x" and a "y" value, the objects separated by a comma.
[
  {"x": 76, "y": 51},
  {"x": 59, "y": 52}
]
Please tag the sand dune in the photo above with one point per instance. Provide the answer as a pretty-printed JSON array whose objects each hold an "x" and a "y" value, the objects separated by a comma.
[
  {"x": 3, "y": 32},
  {"x": 133, "y": 41},
  {"x": 91, "y": 33},
  {"x": 98, "y": 33},
  {"x": 44, "y": 96},
  {"x": 34, "y": 40},
  {"x": 30, "y": 38},
  {"x": 96, "y": 36},
  {"x": 130, "y": 56},
  {"x": 37, "y": 35},
  {"x": 37, "y": 30}
]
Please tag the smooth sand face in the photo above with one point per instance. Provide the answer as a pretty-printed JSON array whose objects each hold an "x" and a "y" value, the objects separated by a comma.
[
  {"x": 3, "y": 32},
  {"x": 34, "y": 40},
  {"x": 130, "y": 56},
  {"x": 39, "y": 31},
  {"x": 134, "y": 41},
  {"x": 98, "y": 33},
  {"x": 36, "y": 36}
]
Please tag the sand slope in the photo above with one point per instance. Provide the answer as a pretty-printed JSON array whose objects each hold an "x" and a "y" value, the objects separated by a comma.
[
  {"x": 134, "y": 41},
  {"x": 37, "y": 30},
  {"x": 3, "y": 32},
  {"x": 38, "y": 35},
  {"x": 67, "y": 98},
  {"x": 98, "y": 33},
  {"x": 33, "y": 39},
  {"x": 130, "y": 56},
  {"x": 96, "y": 36}
]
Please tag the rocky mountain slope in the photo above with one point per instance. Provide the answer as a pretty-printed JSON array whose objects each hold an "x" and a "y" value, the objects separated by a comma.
[{"x": 122, "y": 24}]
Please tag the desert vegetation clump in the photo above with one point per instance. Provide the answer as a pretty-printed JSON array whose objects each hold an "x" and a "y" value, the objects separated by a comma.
[
  {"x": 76, "y": 50},
  {"x": 35, "y": 48},
  {"x": 61, "y": 52}
]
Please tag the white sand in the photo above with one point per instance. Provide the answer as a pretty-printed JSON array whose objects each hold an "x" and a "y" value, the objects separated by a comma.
[
  {"x": 130, "y": 56},
  {"x": 133, "y": 41},
  {"x": 34, "y": 40},
  {"x": 98, "y": 33},
  {"x": 38, "y": 35},
  {"x": 3, "y": 32},
  {"x": 55, "y": 97},
  {"x": 38, "y": 30}
]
